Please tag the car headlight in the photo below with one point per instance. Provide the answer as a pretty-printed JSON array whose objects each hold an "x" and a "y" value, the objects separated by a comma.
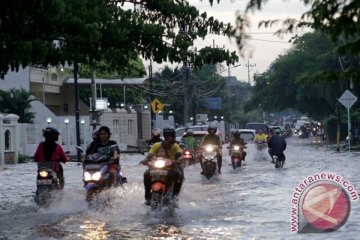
[
  {"x": 159, "y": 163},
  {"x": 236, "y": 148},
  {"x": 209, "y": 148},
  {"x": 43, "y": 174}
]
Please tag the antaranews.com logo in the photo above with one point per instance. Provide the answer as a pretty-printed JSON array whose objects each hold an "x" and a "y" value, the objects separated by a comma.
[{"x": 321, "y": 203}]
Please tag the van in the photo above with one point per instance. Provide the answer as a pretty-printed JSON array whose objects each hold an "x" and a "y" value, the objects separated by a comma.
[{"x": 257, "y": 125}]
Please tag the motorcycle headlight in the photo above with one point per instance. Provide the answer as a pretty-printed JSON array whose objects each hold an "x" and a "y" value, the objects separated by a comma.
[
  {"x": 209, "y": 148},
  {"x": 96, "y": 176},
  {"x": 87, "y": 176},
  {"x": 236, "y": 148},
  {"x": 159, "y": 163},
  {"x": 187, "y": 152},
  {"x": 209, "y": 155},
  {"x": 43, "y": 174}
]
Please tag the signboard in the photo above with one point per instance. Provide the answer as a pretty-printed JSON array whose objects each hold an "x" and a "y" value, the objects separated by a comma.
[
  {"x": 347, "y": 99},
  {"x": 212, "y": 103},
  {"x": 101, "y": 104},
  {"x": 156, "y": 105}
]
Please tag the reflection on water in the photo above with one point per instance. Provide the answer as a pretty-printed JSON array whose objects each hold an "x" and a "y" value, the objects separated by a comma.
[{"x": 93, "y": 230}]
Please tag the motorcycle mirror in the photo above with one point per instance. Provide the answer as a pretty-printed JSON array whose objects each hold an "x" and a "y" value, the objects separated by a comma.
[{"x": 79, "y": 149}]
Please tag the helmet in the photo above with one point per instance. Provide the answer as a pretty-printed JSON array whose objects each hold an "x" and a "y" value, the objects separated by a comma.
[
  {"x": 156, "y": 132},
  {"x": 236, "y": 134},
  {"x": 212, "y": 127},
  {"x": 190, "y": 132},
  {"x": 49, "y": 132},
  {"x": 169, "y": 131}
]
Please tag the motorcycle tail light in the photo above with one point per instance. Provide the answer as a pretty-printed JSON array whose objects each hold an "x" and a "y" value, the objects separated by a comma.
[{"x": 43, "y": 174}]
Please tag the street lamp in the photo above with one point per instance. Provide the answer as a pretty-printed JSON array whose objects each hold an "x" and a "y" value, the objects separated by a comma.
[
  {"x": 170, "y": 112},
  {"x": 66, "y": 121},
  {"x": 82, "y": 122},
  {"x": 48, "y": 120}
]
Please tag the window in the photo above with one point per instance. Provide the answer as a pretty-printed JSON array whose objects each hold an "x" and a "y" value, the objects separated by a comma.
[
  {"x": 53, "y": 77},
  {"x": 66, "y": 108},
  {"x": 130, "y": 126},
  {"x": 7, "y": 140}
]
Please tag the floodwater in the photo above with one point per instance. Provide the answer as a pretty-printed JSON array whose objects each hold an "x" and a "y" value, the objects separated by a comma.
[{"x": 252, "y": 203}]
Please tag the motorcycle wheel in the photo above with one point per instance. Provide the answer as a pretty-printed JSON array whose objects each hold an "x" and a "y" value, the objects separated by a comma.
[
  {"x": 209, "y": 170},
  {"x": 156, "y": 202}
]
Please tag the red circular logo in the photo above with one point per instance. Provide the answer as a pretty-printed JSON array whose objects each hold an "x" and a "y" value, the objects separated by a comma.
[{"x": 326, "y": 206}]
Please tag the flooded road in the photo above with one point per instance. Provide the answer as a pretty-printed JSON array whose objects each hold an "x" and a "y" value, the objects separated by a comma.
[{"x": 253, "y": 203}]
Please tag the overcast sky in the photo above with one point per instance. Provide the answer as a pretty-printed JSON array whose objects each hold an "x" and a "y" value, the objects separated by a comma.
[{"x": 265, "y": 47}]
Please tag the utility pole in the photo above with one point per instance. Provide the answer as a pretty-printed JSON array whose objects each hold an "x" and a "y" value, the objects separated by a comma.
[
  {"x": 249, "y": 66},
  {"x": 77, "y": 109},
  {"x": 94, "y": 116},
  {"x": 185, "y": 89},
  {"x": 151, "y": 93}
]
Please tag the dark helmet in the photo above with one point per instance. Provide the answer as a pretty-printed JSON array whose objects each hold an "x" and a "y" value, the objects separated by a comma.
[
  {"x": 49, "y": 132},
  {"x": 236, "y": 134},
  {"x": 212, "y": 127},
  {"x": 156, "y": 132},
  {"x": 95, "y": 134},
  {"x": 169, "y": 131},
  {"x": 189, "y": 132}
]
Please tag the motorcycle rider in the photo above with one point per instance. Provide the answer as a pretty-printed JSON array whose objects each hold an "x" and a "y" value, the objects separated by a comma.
[
  {"x": 189, "y": 140},
  {"x": 212, "y": 138},
  {"x": 103, "y": 142},
  {"x": 172, "y": 152},
  {"x": 50, "y": 151},
  {"x": 260, "y": 136},
  {"x": 277, "y": 146},
  {"x": 95, "y": 141},
  {"x": 237, "y": 140},
  {"x": 155, "y": 136}
]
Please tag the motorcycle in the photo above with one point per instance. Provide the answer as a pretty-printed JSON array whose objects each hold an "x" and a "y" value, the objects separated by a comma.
[
  {"x": 96, "y": 173},
  {"x": 161, "y": 194},
  {"x": 188, "y": 157},
  {"x": 260, "y": 146},
  {"x": 236, "y": 154},
  {"x": 209, "y": 160},
  {"x": 278, "y": 163},
  {"x": 47, "y": 183}
]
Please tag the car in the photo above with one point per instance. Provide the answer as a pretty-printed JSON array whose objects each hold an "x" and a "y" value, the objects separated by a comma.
[
  {"x": 276, "y": 129},
  {"x": 179, "y": 132},
  {"x": 198, "y": 136},
  {"x": 247, "y": 134},
  {"x": 257, "y": 125}
]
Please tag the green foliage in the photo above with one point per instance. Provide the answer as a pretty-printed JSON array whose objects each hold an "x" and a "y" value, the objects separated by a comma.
[
  {"x": 17, "y": 101},
  {"x": 90, "y": 31},
  {"x": 23, "y": 158}
]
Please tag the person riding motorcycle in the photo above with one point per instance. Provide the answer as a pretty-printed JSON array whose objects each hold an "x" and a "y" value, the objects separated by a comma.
[
  {"x": 172, "y": 152},
  {"x": 155, "y": 136},
  {"x": 189, "y": 140},
  {"x": 50, "y": 151},
  {"x": 260, "y": 136},
  {"x": 212, "y": 138},
  {"x": 237, "y": 140},
  {"x": 101, "y": 144},
  {"x": 277, "y": 146},
  {"x": 95, "y": 141}
]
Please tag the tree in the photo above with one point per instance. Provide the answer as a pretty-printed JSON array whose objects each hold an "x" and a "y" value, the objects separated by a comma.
[
  {"x": 337, "y": 19},
  {"x": 90, "y": 31},
  {"x": 17, "y": 101}
]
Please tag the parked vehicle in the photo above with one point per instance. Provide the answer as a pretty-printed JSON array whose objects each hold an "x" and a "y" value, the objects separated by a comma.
[{"x": 257, "y": 125}]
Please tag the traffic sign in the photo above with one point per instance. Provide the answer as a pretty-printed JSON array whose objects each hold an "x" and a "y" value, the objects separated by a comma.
[
  {"x": 347, "y": 99},
  {"x": 156, "y": 105}
]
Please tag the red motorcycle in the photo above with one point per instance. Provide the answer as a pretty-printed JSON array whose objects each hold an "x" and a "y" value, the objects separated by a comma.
[
  {"x": 188, "y": 157},
  {"x": 236, "y": 153}
]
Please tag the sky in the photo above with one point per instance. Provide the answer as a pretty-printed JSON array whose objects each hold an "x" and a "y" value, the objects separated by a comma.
[{"x": 264, "y": 47}]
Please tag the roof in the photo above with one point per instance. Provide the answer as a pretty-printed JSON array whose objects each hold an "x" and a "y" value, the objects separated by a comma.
[{"x": 125, "y": 81}]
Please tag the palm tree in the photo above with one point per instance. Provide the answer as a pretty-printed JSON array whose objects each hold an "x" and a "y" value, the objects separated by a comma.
[{"x": 17, "y": 101}]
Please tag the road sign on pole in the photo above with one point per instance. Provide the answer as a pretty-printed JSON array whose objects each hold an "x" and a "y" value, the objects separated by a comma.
[
  {"x": 156, "y": 105},
  {"x": 348, "y": 99}
]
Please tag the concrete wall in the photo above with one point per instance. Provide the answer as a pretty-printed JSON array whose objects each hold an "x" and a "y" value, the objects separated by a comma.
[{"x": 9, "y": 135}]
